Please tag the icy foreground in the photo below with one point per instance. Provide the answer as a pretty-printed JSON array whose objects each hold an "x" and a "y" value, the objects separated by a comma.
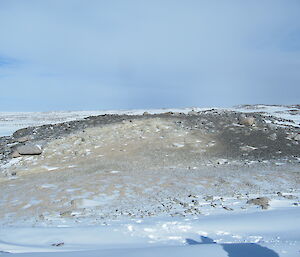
[{"x": 193, "y": 182}]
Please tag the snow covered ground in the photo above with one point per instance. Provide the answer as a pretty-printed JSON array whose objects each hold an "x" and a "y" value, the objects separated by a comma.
[
  {"x": 12, "y": 121},
  {"x": 261, "y": 234},
  {"x": 226, "y": 226}
]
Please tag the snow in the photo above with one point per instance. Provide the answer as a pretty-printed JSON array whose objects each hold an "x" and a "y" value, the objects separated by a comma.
[
  {"x": 12, "y": 121},
  {"x": 281, "y": 112},
  {"x": 267, "y": 233}
]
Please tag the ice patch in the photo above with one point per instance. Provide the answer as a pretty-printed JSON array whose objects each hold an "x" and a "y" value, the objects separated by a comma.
[
  {"x": 178, "y": 145},
  {"x": 48, "y": 186},
  {"x": 115, "y": 171},
  {"x": 49, "y": 167}
]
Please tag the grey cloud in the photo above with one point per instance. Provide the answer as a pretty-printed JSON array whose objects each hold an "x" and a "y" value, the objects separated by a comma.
[{"x": 143, "y": 54}]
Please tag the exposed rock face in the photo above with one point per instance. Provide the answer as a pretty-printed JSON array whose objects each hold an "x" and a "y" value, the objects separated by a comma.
[
  {"x": 29, "y": 149},
  {"x": 263, "y": 202}
]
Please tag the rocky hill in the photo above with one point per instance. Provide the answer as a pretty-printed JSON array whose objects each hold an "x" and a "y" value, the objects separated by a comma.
[{"x": 173, "y": 163}]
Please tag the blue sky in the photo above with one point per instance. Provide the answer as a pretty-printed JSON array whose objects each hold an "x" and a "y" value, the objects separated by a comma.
[{"x": 124, "y": 54}]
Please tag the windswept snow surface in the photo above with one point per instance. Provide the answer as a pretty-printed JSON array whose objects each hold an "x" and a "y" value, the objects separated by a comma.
[
  {"x": 286, "y": 115},
  {"x": 260, "y": 234},
  {"x": 11, "y": 121}
]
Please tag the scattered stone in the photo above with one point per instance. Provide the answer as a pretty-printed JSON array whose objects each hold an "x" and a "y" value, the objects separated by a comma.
[
  {"x": 58, "y": 244},
  {"x": 222, "y": 161},
  {"x": 290, "y": 197},
  {"x": 29, "y": 149},
  {"x": 279, "y": 194},
  {"x": 208, "y": 198},
  {"x": 273, "y": 136},
  {"x": 263, "y": 202},
  {"x": 227, "y": 208},
  {"x": 67, "y": 214},
  {"x": 188, "y": 211},
  {"x": 185, "y": 205},
  {"x": 297, "y": 137},
  {"x": 195, "y": 202},
  {"x": 247, "y": 121}
]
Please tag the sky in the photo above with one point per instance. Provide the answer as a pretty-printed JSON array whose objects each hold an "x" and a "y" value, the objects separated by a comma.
[{"x": 138, "y": 54}]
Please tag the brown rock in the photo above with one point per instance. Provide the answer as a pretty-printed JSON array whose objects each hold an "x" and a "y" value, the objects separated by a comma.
[
  {"x": 15, "y": 154},
  {"x": 247, "y": 121},
  {"x": 29, "y": 149}
]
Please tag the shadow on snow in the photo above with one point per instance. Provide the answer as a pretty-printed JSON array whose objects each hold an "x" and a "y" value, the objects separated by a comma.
[{"x": 238, "y": 249}]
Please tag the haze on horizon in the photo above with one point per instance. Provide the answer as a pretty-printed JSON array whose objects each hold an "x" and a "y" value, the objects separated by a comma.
[{"x": 92, "y": 55}]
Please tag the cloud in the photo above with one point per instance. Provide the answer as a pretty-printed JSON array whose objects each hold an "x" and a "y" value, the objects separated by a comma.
[{"x": 148, "y": 54}]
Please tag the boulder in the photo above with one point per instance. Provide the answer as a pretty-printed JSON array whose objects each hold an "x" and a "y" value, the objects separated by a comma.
[
  {"x": 247, "y": 121},
  {"x": 29, "y": 149},
  {"x": 263, "y": 202}
]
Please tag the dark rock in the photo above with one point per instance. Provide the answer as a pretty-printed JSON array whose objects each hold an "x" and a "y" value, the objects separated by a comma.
[
  {"x": 58, "y": 244},
  {"x": 227, "y": 208}
]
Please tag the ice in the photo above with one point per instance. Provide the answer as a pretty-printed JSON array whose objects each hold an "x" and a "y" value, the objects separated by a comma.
[
  {"x": 115, "y": 171},
  {"x": 50, "y": 168}
]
